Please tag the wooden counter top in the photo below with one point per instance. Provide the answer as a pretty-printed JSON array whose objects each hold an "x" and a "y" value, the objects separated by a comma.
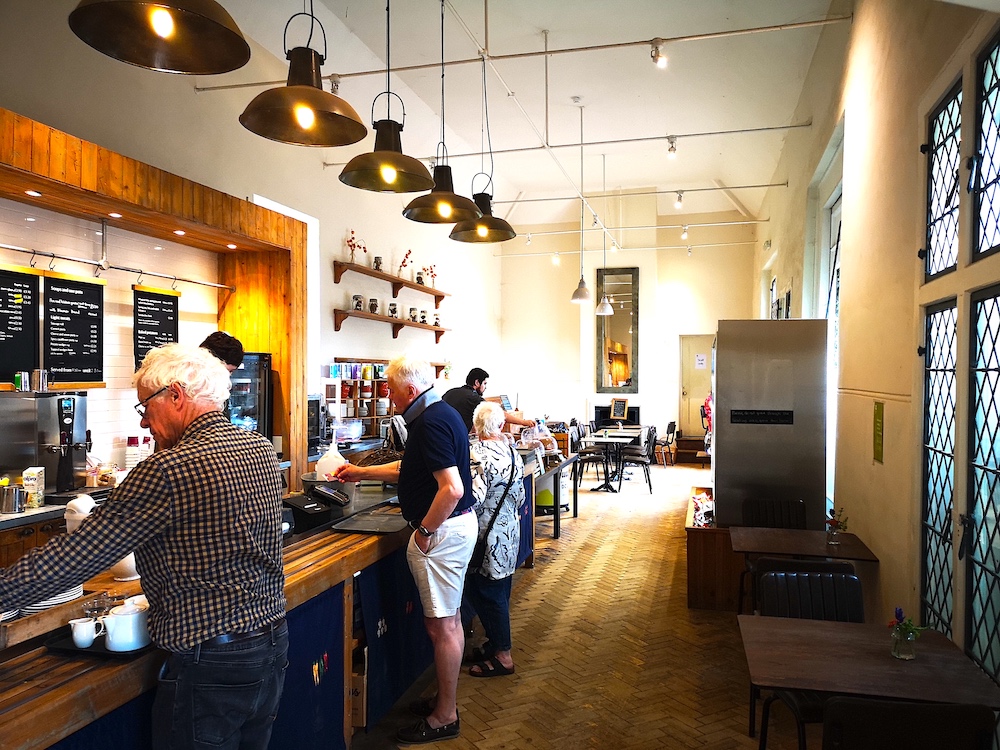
[{"x": 46, "y": 696}]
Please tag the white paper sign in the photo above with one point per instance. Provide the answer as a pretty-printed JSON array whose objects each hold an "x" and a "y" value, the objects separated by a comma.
[{"x": 700, "y": 361}]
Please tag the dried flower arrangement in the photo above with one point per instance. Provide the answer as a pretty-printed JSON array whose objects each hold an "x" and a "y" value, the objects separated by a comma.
[
  {"x": 431, "y": 272},
  {"x": 354, "y": 244},
  {"x": 405, "y": 263}
]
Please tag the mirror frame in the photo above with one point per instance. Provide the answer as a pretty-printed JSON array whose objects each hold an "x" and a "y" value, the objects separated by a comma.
[{"x": 601, "y": 362}]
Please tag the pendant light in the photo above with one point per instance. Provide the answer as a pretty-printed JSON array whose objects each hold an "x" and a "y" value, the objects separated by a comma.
[
  {"x": 173, "y": 36},
  {"x": 302, "y": 113},
  {"x": 442, "y": 205},
  {"x": 581, "y": 294},
  {"x": 387, "y": 169},
  {"x": 605, "y": 307},
  {"x": 487, "y": 228}
]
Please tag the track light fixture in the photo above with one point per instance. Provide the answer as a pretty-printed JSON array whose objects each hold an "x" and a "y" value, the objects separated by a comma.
[
  {"x": 684, "y": 232},
  {"x": 679, "y": 203},
  {"x": 302, "y": 113},
  {"x": 387, "y": 169},
  {"x": 529, "y": 241},
  {"x": 689, "y": 251},
  {"x": 173, "y": 36},
  {"x": 656, "y": 54},
  {"x": 672, "y": 151},
  {"x": 442, "y": 205}
]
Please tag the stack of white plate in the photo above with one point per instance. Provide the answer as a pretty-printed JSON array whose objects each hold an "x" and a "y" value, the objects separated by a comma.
[
  {"x": 10, "y": 614},
  {"x": 66, "y": 596}
]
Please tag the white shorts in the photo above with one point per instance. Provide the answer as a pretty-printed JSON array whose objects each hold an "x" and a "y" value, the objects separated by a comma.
[{"x": 440, "y": 574}]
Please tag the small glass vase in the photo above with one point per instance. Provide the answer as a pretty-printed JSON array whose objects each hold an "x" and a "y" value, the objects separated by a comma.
[
  {"x": 832, "y": 536},
  {"x": 903, "y": 644}
]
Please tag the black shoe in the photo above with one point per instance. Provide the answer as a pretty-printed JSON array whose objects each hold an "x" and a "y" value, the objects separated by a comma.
[
  {"x": 422, "y": 732},
  {"x": 423, "y": 707}
]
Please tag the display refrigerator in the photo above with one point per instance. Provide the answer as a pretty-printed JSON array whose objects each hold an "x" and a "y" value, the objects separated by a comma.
[{"x": 250, "y": 401}]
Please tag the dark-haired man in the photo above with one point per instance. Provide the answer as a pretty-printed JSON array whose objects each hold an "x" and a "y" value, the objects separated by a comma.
[
  {"x": 225, "y": 347},
  {"x": 465, "y": 398}
]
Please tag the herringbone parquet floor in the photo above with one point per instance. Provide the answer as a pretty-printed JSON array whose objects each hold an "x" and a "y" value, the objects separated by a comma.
[{"x": 607, "y": 653}]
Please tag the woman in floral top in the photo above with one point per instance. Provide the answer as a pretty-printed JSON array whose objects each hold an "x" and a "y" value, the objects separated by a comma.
[{"x": 487, "y": 589}]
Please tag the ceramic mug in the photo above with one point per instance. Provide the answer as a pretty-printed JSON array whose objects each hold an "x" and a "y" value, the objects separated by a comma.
[
  {"x": 85, "y": 629},
  {"x": 359, "y": 302}
]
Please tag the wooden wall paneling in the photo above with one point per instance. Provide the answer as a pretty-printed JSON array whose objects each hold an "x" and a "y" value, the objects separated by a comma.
[
  {"x": 128, "y": 181},
  {"x": 88, "y": 166},
  {"x": 6, "y": 136},
  {"x": 74, "y": 148},
  {"x": 116, "y": 162},
  {"x": 57, "y": 156},
  {"x": 39, "y": 149},
  {"x": 22, "y": 143},
  {"x": 103, "y": 170}
]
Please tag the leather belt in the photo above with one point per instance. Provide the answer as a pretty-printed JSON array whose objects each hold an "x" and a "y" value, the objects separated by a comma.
[
  {"x": 222, "y": 640},
  {"x": 461, "y": 512}
]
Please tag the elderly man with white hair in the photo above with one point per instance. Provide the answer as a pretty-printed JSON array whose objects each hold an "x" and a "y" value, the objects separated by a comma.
[
  {"x": 203, "y": 516},
  {"x": 435, "y": 496}
]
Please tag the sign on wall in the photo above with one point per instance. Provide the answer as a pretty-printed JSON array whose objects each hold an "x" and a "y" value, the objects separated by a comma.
[
  {"x": 19, "y": 334},
  {"x": 154, "y": 319},
  {"x": 74, "y": 329}
]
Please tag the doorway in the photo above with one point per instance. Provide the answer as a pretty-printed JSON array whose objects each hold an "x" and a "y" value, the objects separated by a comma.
[{"x": 697, "y": 363}]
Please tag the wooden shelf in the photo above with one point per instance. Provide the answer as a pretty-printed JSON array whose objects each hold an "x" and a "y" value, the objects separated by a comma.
[
  {"x": 438, "y": 366},
  {"x": 339, "y": 316},
  {"x": 397, "y": 282}
]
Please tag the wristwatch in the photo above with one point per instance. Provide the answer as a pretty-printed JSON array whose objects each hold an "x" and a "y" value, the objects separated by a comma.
[{"x": 423, "y": 530}]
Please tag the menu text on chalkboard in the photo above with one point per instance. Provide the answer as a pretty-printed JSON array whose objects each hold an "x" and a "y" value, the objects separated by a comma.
[
  {"x": 154, "y": 314},
  {"x": 74, "y": 331},
  {"x": 18, "y": 322}
]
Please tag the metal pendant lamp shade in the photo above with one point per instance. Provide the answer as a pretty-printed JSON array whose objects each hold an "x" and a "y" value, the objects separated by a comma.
[
  {"x": 582, "y": 294},
  {"x": 302, "y": 113},
  {"x": 441, "y": 205},
  {"x": 174, "y": 36},
  {"x": 487, "y": 228},
  {"x": 387, "y": 169},
  {"x": 605, "y": 307}
]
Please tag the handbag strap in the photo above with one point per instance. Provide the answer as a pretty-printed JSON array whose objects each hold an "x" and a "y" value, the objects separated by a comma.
[{"x": 496, "y": 511}]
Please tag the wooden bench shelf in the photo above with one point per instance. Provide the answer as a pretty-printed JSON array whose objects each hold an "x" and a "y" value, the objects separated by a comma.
[
  {"x": 397, "y": 282},
  {"x": 339, "y": 316}
]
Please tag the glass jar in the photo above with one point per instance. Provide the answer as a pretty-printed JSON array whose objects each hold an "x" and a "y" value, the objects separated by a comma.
[{"x": 903, "y": 643}]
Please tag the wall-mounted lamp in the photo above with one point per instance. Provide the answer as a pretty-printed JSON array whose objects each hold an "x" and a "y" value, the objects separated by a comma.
[{"x": 657, "y": 55}]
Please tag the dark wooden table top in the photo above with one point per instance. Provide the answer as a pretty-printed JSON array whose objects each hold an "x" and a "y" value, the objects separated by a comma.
[
  {"x": 854, "y": 659},
  {"x": 759, "y": 540}
]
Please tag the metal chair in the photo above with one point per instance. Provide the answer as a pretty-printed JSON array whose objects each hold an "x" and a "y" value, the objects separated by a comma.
[
  {"x": 641, "y": 455},
  {"x": 772, "y": 513},
  {"x": 590, "y": 455},
  {"x": 866, "y": 724},
  {"x": 814, "y": 596},
  {"x": 664, "y": 445}
]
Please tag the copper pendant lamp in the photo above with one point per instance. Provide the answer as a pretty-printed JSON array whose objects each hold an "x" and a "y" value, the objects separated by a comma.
[
  {"x": 442, "y": 205},
  {"x": 174, "y": 36},
  {"x": 302, "y": 113},
  {"x": 387, "y": 169}
]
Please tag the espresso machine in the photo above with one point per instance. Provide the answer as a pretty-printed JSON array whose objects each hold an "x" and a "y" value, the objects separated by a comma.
[{"x": 47, "y": 429}]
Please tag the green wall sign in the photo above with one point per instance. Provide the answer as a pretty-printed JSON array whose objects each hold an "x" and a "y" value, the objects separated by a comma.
[{"x": 877, "y": 424}]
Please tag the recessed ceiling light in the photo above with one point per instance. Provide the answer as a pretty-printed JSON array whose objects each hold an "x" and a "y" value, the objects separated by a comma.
[
  {"x": 33, "y": 193},
  {"x": 157, "y": 247},
  {"x": 179, "y": 232},
  {"x": 115, "y": 215},
  {"x": 29, "y": 218},
  {"x": 99, "y": 234},
  {"x": 231, "y": 246}
]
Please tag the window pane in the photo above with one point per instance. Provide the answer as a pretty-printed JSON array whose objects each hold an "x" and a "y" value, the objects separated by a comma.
[
  {"x": 987, "y": 215},
  {"x": 943, "y": 184}
]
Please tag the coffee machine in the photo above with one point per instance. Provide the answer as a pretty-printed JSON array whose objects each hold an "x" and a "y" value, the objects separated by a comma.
[{"x": 49, "y": 429}]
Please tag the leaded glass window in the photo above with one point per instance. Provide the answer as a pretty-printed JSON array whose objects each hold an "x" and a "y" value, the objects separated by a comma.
[
  {"x": 945, "y": 141},
  {"x": 987, "y": 172},
  {"x": 983, "y": 622},
  {"x": 938, "y": 467}
]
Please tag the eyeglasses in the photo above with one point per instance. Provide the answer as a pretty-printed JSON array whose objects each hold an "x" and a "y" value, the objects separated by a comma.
[{"x": 140, "y": 408}]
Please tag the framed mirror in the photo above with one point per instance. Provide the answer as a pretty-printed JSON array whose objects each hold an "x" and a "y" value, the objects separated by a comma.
[{"x": 618, "y": 335}]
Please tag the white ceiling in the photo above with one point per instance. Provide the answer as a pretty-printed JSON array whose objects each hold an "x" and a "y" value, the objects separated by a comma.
[{"x": 731, "y": 83}]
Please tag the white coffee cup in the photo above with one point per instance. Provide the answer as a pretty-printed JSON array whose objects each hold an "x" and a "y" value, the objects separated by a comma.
[{"x": 85, "y": 630}]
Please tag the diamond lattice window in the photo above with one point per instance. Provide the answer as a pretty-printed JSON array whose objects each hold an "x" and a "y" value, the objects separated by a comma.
[
  {"x": 987, "y": 176},
  {"x": 939, "y": 467},
  {"x": 943, "y": 184},
  {"x": 983, "y": 634}
]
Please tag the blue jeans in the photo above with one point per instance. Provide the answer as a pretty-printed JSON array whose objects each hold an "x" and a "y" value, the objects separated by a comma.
[
  {"x": 491, "y": 601},
  {"x": 221, "y": 696}
]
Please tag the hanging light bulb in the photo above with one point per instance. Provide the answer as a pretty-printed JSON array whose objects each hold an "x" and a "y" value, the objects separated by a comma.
[
  {"x": 442, "y": 205},
  {"x": 679, "y": 203},
  {"x": 656, "y": 54},
  {"x": 387, "y": 169},
  {"x": 172, "y": 36},
  {"x": 581, "y": 294},
  {"x": 684, "y": 232},
  {"x": 672, "y": 151},
  {"x": 555, "y": 259},
  {"x": 301, "y": 112}
]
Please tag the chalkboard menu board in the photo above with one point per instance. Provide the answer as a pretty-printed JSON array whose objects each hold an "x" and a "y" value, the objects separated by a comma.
[
  {"x": 154, "y": 319},
  {"x": 18, "y": 322},
  {"x": 74, "y": 330}
]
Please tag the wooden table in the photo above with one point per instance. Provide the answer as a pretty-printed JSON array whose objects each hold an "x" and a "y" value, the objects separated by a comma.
[
  {"x": 614, "y": 440},
  {"x": 758, "y": 540},
  {"x": 853, "y": 659}
]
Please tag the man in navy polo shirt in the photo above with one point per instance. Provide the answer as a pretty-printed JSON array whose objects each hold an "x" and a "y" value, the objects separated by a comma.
[{"x": 435, "y": 496}]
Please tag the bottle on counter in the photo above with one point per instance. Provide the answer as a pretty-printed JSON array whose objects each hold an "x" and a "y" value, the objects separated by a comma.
[{"x": 132, "y": 452}]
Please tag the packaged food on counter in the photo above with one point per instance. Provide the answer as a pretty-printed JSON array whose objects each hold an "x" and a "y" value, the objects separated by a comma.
[{"x": 33, "y": 479}]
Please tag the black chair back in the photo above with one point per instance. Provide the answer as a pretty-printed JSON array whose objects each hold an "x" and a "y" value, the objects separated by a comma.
[
  {"x": 668, "y": 436},
  {"x": 812, "y": 596},
  {"x": 865, "y": 724},
  {"x": 763, "y": 565},
  {"x": 774, "y": 513}
]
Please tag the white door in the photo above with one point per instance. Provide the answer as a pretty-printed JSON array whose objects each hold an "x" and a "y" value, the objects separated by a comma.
[{"x": 696, "y": 381}]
